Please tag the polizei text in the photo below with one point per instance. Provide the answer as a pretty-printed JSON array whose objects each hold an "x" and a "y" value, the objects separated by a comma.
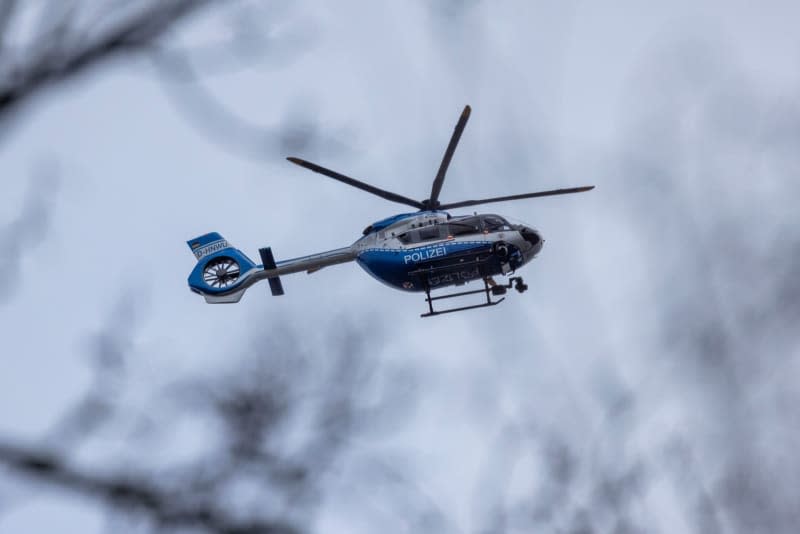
[{"x": 425, "y": 254}]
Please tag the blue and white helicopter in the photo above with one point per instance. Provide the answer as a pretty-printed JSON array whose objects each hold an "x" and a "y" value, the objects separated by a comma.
[{"x": 421, "y": 251}]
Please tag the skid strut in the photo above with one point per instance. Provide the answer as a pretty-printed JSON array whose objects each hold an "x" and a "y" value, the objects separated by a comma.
[{"x": 489, "y": 289}]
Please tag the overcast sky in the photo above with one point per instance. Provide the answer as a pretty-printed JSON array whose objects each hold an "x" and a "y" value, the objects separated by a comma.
[{"x": 683, "y": 114}]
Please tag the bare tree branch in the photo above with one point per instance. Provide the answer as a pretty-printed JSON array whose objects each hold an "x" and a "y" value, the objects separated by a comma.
[
  {"x": 29, "y": 228},
  {"x": 7, "y": 11},
  {"x": 61, "y": 52},
  {"x": 133, "y": 494},
  {"x": 296, "y": 132},
  {"x": 277, "y": 425}
]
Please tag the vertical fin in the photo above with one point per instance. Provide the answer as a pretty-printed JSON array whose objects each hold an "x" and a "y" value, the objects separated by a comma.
[{"x": 268, "y": 260}]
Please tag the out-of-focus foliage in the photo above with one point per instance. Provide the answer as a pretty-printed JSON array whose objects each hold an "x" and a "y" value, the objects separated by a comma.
[
  {"x": 696, "y": 430},
  {"x": 43, "y": 43}
]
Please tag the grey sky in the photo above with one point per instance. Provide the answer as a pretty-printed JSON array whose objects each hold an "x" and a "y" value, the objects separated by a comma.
[{"x": 679, "y": 111}]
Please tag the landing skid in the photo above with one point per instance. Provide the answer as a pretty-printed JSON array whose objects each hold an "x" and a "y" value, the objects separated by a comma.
[{"x": 489, "y": 290}]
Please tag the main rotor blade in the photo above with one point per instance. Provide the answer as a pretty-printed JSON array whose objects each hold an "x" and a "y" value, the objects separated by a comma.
[
  {"x": 388, "y": 195},
  {"x": 433, "y": 201},
  {"x": 466, "y": 203}
]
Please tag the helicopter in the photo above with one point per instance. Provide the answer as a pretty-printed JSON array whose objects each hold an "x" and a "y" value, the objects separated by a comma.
[{"x": 420, "y": 251}]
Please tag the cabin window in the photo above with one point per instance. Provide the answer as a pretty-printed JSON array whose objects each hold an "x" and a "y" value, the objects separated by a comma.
[
  {"x": 430, "y": 233},
  {"x": 426, "y": 233},
  {"x": 409, "y": 237}
]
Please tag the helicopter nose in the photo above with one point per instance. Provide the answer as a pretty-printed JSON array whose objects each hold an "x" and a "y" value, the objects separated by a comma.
[{"x": 533, "y": 238}]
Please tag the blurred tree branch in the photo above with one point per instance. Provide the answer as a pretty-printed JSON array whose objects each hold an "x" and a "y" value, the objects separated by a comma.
[
  {"x": 64, "y": 46},
  {"x": 29, "y": 228},
  {"x": 274, "y": 427},
  {"x": 47, "y": 44},
  {"x": 133, "y": 494},
  {"x": 297, "y": 131}
]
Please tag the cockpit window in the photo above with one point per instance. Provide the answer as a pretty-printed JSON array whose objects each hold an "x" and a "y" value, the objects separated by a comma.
[
  {"x": 467, "y": 225},
  {"x": 495, "y": 223},
  {"x": 463, "y": 228}
]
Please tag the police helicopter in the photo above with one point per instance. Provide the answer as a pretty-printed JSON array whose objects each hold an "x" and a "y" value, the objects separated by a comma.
[{"x": 422, "y": 251}]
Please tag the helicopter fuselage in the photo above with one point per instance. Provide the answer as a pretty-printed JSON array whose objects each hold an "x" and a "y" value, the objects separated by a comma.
[{"x": 431, "y": 249}]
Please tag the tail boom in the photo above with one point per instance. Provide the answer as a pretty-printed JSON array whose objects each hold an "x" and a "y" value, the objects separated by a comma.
[{"x": 223, "y": 273}]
